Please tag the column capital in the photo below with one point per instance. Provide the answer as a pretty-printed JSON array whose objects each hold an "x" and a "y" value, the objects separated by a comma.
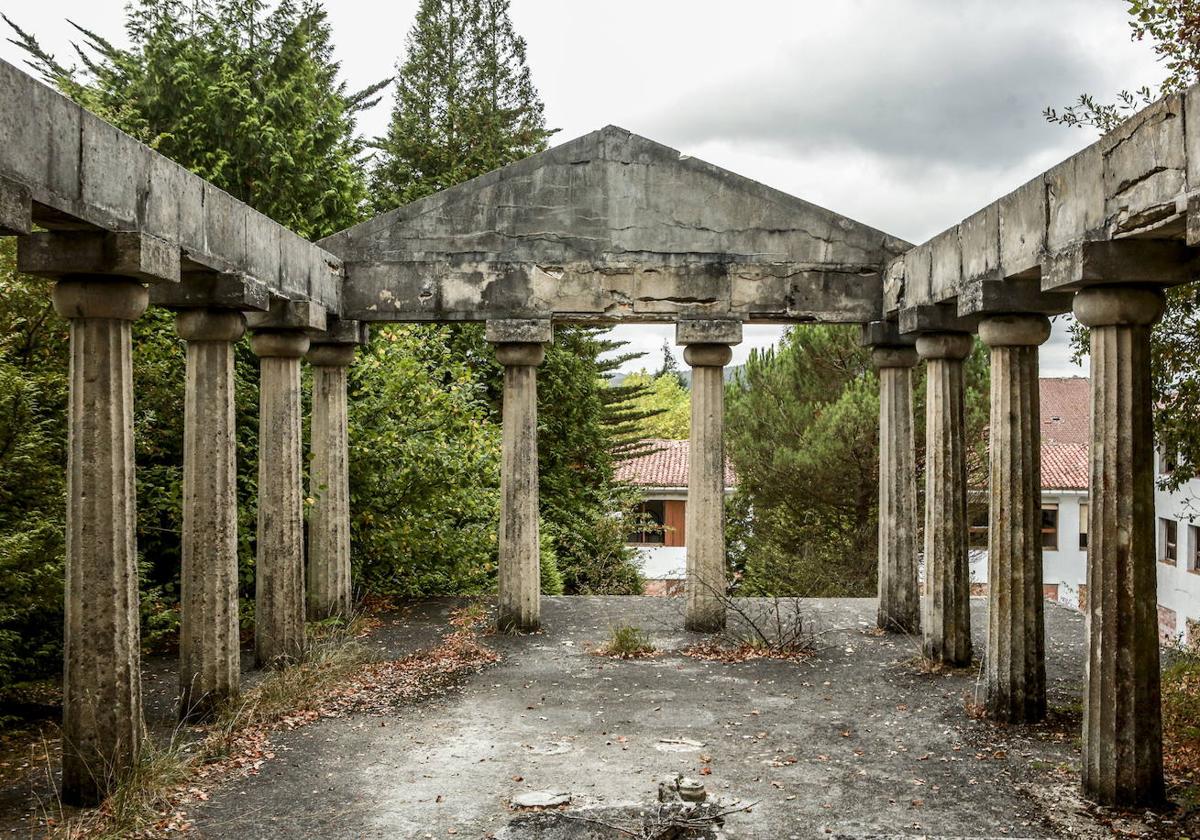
[
  {"x": 115, "y": 298},
  {"x": 692, "y": 331},
  {"x": 330, "y": 355},
  {"x": 519, "y": 331},
  {"x": 520, "y": 353},
  {"x": 1025, "y": 330},
  {"x": 283, "y": 344},
  {"x": 893, "y": 357},
  {"x": 944, "y": 345},
  {"x": 210, "y": 325},
  {"x": 707, "y": 355},
  {"x": 1109, "y": 306}
]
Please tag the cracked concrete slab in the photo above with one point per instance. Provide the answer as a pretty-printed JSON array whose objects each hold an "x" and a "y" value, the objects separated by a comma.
[{"x": 854, "y": 742}]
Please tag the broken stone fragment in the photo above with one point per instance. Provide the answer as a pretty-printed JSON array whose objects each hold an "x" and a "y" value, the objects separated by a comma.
[{"x": 541, "y": 799}]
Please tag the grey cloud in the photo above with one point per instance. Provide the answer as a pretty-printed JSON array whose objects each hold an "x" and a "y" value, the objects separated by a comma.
[{"x": 962, "y": 88}]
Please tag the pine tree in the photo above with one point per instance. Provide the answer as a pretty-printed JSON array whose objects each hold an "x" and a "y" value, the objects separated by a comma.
[{"x": 465, "y": 102}]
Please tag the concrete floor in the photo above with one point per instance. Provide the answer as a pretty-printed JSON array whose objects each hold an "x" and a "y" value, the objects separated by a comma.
[{"x": 853, "y": 742}]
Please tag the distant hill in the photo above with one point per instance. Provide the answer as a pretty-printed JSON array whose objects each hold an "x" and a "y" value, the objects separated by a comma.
[{"x": 730, "y": 371}]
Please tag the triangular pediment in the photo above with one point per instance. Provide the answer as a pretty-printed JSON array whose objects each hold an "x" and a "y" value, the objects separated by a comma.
[
  {"x": 612, "y": 227},
  {"x": 614, "y": 196}
]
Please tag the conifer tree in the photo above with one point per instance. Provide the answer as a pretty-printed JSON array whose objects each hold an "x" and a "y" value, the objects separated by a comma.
[{"x": 465, "y": 102}]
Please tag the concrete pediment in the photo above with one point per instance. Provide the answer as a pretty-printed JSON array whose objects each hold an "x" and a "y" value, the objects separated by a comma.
[{"x": 612, "y": 226}]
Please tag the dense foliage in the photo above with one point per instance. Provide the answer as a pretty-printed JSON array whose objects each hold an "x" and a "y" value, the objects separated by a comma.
[
  {"x": 1173, "y": 29},
  {"x": 667, "y": 404},
  {"x": 247, "y": 95},
  {"x": 802, "y": 430}
]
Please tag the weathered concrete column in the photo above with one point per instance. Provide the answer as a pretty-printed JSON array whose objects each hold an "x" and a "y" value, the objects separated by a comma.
[
  {"x": 899, "y": 601},
  {"x": 946, "y": 603},
  {"x": 707, "y": 349},
  {"x": 279, "y": 576},
  {"x": 102, "y": 691},
  {"x": 1122, "y": 714},
  {"x": 209, "y": 655},
  {"x": 99, "y": 289},
  {"x": 520, "y": 348},
  {"x": 1016, "y": 668},
  {"x": 329, "y": 590}
]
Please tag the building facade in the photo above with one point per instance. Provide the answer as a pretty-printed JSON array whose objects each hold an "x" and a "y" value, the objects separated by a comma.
[
  {"x": 1065, "y": 426},
  {"x": 662, "y": 476}
]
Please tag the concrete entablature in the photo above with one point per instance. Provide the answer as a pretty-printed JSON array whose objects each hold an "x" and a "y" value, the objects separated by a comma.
[
  {"x": 612, "y": 227},
  {"x": 1123, "y": 210}
]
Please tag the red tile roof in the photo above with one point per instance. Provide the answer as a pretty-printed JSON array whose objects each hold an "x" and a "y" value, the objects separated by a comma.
[
  {"x": 1066, "y": 430},
  {"x": 664, "y": 465}
]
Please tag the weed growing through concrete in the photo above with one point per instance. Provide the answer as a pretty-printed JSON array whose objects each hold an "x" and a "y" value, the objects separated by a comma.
[{"x": 627, "y": 643}]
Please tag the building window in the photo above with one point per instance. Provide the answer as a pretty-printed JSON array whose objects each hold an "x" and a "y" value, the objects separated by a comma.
[
  {"x": 1050, "y": 527},
  {"x": 1083, "y": 526},
  {"x": 1166, "y": 462},
  {"x": 1194, "y": 548},
  {"x": 649, "y": 517},
  {"x": 1169, "y": 532},
  {"x": 977, "y": 525}
]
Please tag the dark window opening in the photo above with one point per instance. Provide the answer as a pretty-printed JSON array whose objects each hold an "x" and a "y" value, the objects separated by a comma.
[{"x": 649, "y": 519}]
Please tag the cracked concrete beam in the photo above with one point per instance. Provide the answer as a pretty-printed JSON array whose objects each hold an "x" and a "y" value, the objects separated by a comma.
[
  {"x": 83, "y": 174},
  {"x": 1145, "y": 166},
  {"x": 1140, "y": 182},
  {"x": 605, "y": 293},
  {"x": 16, "y": 208},
  {"x": 124, "y": 253}
]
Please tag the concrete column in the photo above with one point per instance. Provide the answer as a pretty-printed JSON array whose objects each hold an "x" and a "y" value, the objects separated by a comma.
[
  {"x": 329, "y": 590},
  {"x": 946, "y": 603},
  {"x": 705, "y": 515},
  {"x": 1122, "y": 715},
  {"x": 899, "y": 602},
  {"x": 279, "y": 576},
  {"x": 102, "y": 691},
  {"x": 519, "y": 607},
  {"x": 1015, "y": 663},
  {"x": 209, "y": 649}
]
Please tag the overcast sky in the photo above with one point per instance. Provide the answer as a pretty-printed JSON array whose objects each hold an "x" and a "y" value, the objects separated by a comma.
[{"x": 907, "y": 115}]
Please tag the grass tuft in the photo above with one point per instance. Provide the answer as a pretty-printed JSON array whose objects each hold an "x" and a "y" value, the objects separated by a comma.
[{"x": 627, "y": 642}]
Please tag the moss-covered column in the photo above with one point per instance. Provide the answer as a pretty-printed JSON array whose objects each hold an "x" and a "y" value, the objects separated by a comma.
[
  {"x": 209, "y": 645},
  {"x": 329, "y": 590},
  {"x": 946, "y": 603},
  {"x": 279, "y": 575},
  {"x": 707, "y": 350},
  {"x": 899, "y": 600},
  {"x": 102, "y": 689},
  {"x": 519, "y": 346},
  {"x": 1122, "y": 712},
  {"x": 1015, "y": 662}
]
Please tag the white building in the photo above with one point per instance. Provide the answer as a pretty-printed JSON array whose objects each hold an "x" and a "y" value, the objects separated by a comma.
[
  {"x": 1065, "y": 423},
  {"x": 1178, "y": 519},
  {"x": 662, "y": 475}
]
